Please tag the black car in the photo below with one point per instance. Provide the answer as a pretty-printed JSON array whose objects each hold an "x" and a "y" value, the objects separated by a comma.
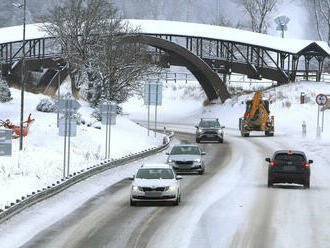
[
  {"x": 289, "y": 167},
  {"x": 209, "y": 130}
]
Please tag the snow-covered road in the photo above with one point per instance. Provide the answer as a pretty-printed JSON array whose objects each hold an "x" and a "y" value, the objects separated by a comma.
[{"x": 229, "y": 206}]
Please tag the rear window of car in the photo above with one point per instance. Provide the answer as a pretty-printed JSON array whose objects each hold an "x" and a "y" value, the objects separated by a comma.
[
  {"x": 209, "y": 124},
  {"x": 285, "y": 157},
  {"x": 177, "y": 150},
  {"x": 155, "y": 174}
]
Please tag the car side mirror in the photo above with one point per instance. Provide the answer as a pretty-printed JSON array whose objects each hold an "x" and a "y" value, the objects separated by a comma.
[
  {"x": 196, "y": 126},
  {"x": 131, "y": 178},
  {"x": 223, "y": 127},
  {"x": 267, "y": 160},
  {"x": 310, "y": 161},
  {"x": 179, "y": 177},
  {"x": 203, "y": 153},
  {"x": 167, "y": 153}
]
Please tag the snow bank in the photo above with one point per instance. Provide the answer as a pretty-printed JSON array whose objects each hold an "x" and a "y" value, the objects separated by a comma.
[
  {"x": 285, "y": 106},
  {"x": 41, "y": 161}
]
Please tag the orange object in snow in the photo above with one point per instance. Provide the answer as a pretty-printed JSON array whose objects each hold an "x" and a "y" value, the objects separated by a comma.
[{"x": 17, "y": 129}]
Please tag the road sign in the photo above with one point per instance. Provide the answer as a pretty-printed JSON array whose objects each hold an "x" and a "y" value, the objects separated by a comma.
[
  {"x": 282, "y": 27},
  {"x": 5, "y": 142},
  {"x": 282, "y": 20},
  {"x": 71, "y": 127},
  {"x": 321, "y": 99},
  {"x": 111, "y": 118},
  {"x": 67, "y": 105},
  {"x": 108, "y": 107},
  {"x": 153, "y": 94}
]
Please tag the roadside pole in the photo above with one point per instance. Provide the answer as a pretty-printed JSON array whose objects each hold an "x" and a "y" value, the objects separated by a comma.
[
  {"x": 156, "y": 110},
  {"x": 109, "y": 139},
  {"x": 106, "y": 136},
  {"x": 322, "y": 120},
  {"x": 148, "y": 109},
  {"x": 321, "y": 100},
  {"x": 65, "y": 133},
  {"x": 108, "y": 111},
  {"x": 67, "y": 127},
  {"x": 69, "y": 142}
]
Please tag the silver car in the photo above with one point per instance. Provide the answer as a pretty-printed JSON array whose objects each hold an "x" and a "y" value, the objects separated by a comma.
[
  {"x": 186, "y": 158},
  {"x": 209, "y": 130},
  {"x": 155, "y": 182}
]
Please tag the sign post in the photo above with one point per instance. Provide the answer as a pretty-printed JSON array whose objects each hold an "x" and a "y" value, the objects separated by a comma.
[
  {"x": 153, "y": 96},
  {"x": 321, "y": 101},
  {"x": 282, "y": 22},
  {"x": 108, "y": 115},
  {"x": 67, "y": 126},
  {"x": 5, "y": 142}
]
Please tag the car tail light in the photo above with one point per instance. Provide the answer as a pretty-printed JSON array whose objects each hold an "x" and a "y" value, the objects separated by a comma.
[
  {"x": 290, "y": 153},
  {"x": 273, "y": 163},
  {"x": 305, "y": 164}
]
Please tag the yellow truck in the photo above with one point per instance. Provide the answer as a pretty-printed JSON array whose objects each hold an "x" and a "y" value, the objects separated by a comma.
[{"x": 256, "y": 117}]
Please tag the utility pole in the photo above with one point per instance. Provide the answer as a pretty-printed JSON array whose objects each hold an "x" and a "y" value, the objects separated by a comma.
[{"x": 22, "y": 79}]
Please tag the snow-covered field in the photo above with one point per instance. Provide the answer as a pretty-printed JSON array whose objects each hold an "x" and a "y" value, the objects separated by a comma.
[
  {"x": 41, "y": 161},
  {"x": 183, "y": 103}
]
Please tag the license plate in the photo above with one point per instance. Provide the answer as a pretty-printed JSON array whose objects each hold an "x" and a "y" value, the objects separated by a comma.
[
  {"x": 152, "y": 194},
  {"x": 289, "y": 168},
  {"x": 210, "y": 135}
]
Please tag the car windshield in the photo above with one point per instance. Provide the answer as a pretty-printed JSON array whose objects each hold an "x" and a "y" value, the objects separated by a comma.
[
  {"x": 209, "y": 124},
  {"x": 285, "y": 157},
  {"x": 176, "y": 150},
  {"x": 155, "y": 174}
]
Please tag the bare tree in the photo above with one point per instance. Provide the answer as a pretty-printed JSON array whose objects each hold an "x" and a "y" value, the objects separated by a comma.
[
  {"x": 226, "y": 22},
  {"x": 259, "y": 12},
  {"x": 321, "y": 13},
  {"x": 96, "y": 44}
]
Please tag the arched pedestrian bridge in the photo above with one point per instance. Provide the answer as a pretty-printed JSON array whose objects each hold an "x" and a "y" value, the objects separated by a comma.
[{"x": 205, "y": 50}]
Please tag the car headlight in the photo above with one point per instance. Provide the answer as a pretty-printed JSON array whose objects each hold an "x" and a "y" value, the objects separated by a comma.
[
  {"x": 170, "y": 161},
  {"x": 172, "y": 188},
  {"x": 219, "y": 131},
  {"x": 198, "y": 160},
  {"x": 199, "y": 130},
  {"x": 135, "y": 188}
]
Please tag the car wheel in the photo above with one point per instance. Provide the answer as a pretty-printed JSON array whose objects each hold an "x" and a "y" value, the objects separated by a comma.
[
  {"x": 267, "y": 133},
  {"x": 198, "y": 140},
  {"x": 221, "y": 140},
  {"x": 245, "y": 134},
  {"x": 270, "y": 184},
  {"x": 307, "y": 185},
  {"x": 176, "y": 203},
  {"x": 132, "y": 203},
  {"x": 201, "y": 172}
]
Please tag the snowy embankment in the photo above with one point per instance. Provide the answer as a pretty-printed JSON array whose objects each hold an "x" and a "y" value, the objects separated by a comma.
[
  {"x": 41, "y": 161},
  {"x": 183, "y": 103}
]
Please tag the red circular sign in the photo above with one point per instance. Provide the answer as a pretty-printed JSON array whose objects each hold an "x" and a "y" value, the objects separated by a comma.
[{"x": 321, "y": 99}]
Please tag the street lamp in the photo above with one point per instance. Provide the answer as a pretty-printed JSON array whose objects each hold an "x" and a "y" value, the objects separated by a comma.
[{"x": 22, "y": 75}]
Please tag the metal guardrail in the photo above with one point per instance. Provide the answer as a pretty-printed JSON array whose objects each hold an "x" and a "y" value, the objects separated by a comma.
[{"x": 55, "y": 188}]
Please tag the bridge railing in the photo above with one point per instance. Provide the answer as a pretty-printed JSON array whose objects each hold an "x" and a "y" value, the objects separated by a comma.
[{"x": 11, "y": 52}]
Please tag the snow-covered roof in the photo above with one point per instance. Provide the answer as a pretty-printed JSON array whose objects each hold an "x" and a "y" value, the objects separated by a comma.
[
  {"x": 225, "y": 33},
  {"x": 33, "y": 31}
]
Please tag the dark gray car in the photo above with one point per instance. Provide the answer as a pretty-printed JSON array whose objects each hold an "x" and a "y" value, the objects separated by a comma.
[
  {"x": 209, "y": 130},
  {"x": 186, "y": 158}
]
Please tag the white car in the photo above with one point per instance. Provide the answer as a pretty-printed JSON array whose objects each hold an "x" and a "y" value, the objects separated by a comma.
[{"x": 155, "y": 182}]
